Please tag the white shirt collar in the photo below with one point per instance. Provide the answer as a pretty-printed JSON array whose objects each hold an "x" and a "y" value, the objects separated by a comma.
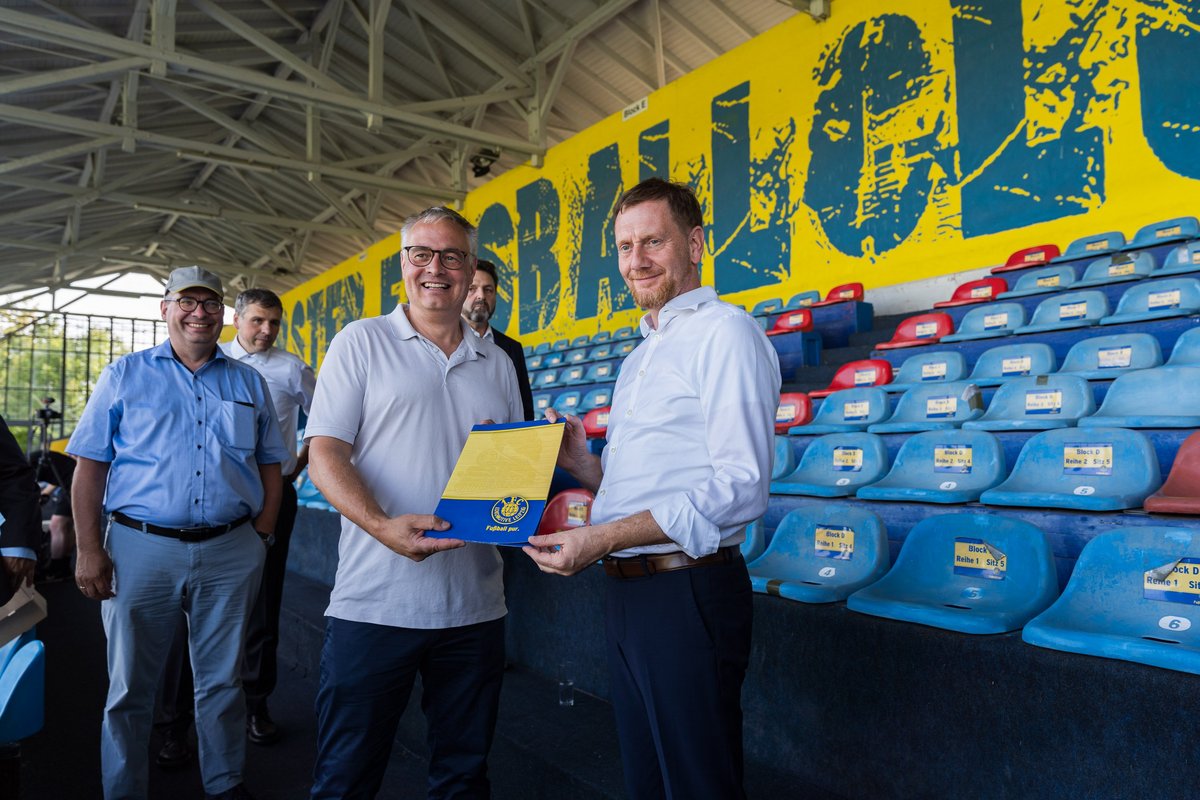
[
  {"x": 688, "y": 301},
  {"x": 237, "y": 352},
  {"x": 403, "y": 328}
]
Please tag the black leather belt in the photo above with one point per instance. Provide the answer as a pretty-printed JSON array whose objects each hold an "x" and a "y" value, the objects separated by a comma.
[
  {"x": 182, "y": 534},
  {"x": 644, "y": 566}
]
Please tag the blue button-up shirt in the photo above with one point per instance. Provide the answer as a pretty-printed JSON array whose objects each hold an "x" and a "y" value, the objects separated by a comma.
[{"x": 183, "y": 447}]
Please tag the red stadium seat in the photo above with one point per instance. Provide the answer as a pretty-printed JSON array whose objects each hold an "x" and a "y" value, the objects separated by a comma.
[
  {"x": 919, "y": 330},
  {"x": 570, "y": 508},
  {"x": 852, "y": 374},
  {"x": 795, "y": 408},
  {"x": 842, "y": 294},
  {"x": 595, "y": 422},
  {"x": 799, "y": 320},
  {"x": 1180, "y": 494},
  {"x": 983, "y": 290},
  {"x": 1029, "y": 257}
]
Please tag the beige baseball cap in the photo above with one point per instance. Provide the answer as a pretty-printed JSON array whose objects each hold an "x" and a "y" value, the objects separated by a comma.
[{"x": 191, "y": 278}]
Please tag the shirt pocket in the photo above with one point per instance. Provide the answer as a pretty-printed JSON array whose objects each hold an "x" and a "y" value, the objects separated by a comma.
[{"x": 235, "y": 425}]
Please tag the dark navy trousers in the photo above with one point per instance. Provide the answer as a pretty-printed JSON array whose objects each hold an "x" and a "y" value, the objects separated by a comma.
[
  {"x": 367, "y": 675},
  {"x": 678, "y": 648}
]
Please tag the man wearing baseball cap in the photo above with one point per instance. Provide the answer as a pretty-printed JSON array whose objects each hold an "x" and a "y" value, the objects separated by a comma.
[{"x": 179, "y": 447}]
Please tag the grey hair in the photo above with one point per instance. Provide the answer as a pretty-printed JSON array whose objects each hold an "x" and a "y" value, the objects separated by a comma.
[
  {"x": 442, "y": 214},
  {"x": 256, "y": 297}
]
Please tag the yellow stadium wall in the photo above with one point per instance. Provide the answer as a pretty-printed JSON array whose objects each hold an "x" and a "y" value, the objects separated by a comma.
[{"x": 896, "y": 141}]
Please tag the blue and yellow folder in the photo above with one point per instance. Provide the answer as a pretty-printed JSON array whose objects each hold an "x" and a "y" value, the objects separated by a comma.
[{"x": 498, "y": 490}]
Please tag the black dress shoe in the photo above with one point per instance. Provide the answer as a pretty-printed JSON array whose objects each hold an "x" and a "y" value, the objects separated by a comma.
[
  {"x": 238, "y": 792},
  {"x": 260, "y": 728},
  {"x": 175, "y": 753}
]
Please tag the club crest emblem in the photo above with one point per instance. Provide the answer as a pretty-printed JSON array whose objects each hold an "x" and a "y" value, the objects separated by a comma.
[{"x": 510, "y": 510}]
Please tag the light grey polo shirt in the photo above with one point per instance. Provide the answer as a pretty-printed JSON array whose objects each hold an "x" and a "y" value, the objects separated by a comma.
[{"x": 407, "y": 409}]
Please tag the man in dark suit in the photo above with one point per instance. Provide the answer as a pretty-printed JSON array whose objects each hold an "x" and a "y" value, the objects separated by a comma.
[
  {"x": 21, "y": 531},
  {"x": 478, "y": 310}
]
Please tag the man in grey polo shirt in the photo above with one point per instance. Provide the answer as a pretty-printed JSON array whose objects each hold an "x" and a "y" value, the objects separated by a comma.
[{"x": 395, "y": 400}]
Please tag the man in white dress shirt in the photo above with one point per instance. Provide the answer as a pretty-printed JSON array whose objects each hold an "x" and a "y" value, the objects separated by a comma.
[
  {"x": 257, "y": 317},
  {"x": 686, "y": 468}
]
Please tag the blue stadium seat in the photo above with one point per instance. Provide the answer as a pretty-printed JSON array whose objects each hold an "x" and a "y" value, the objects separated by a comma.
[
  {"x": 568, "y": 402},
  {"x": 767, "y": 307},
  {"x": 309, "y": 496},
  {"x": 581, "y": 341},
  {"x": 572, "y": 375},
  {"x": 835, "y": 465},
  {"x": 601, "y": 373},
  {"x": 1186, "y": 349},
  {"x": 542, "y": 401},
  {"x": 1109, "y": 356},
  {"x": 576, "y": 357},
  {"x": 600, "y": 352},
  {"x": 803, "y": 299},
  {"x": 822, "y": 554},
  {"x": 628, "y": 332},
  {"x": 1184, "y": 258},
  {"x": 1130, "y": 597},
  {"x": 552, "y": 360},
  {"x": 1164, "y": 397},
  {"x": 971, "y": 573},
  {"x": 22, "y": 693},
  {"x": 596, "y": 398},
  {"x": 986, "y": 322},
  {"x": 534, "y": 362},
  {"x": 1037, "y": 403},
  {"x": 8, "y": 650},
  {"x": 527, "y": 350},
  {"x": 1042, "y": 281},
  {"x": 932, "y": 408},
  {"x": 942, "y": 366},
  {"x": 1066, "y": 311},
  {"x": 1116, "y": 268},
  {"x": 624, "y": 348},
  {"x": 785, "y": 458},
  {"x": 954, "y": 466},
  {"x": 755, "y": 542},
  {"x": 848, "y": 410},
  {"x": 541, "y": 347},
  {"x": 546, "y": 379},
  {"x": 1085, "y": 469},
  {"x": 560, "y": 345},
  {"x": 1169, "y": 297},
  {"x": 999, "y": 364},
  {"x": 1179, "y": 229},
  {"x": 1098, "y": 244},
  {"x": 601, "y": 337}
]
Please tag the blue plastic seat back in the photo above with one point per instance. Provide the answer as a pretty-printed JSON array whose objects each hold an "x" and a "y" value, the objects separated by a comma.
[
  {"x": 527, "y": 350},
  {"x": 803, "y": 299},
  {"x": 1086, "y": 469},
  {"x": 1037, "y": 402},
  {"x": 835, "y": 465},
  {"x": 600, "y": 352},
  {"x": 952, "y": 466},
  {"x": 1169, "y": 297},
  {"x": 1131, "y": 597},
  {"x": 998, "y": 364},
  {"x": 22, "y": 693},
  {"x": 542, "y": 401},
  {"x": 993, "y": 319},
  {"x": 601, "y": 337},
  {"x": 1163, "y": 397},
  {"x": 541, "y": 347},
  {"x": 934, "y": 406},
  {"x": 553, "y": 359},
  {"x": 622, "y": 334},
  {"x": 1068, "y": 310},
  {"x": 1168, "y": 230},
  {"x": 1117, "y": 267},
  {"x": 1044, "y": 279},
  {"x": 766, "y": 307},
  {"x": 1097, "y": 244},
  {"x": 596, "y": 398},
  {"x": 785, "y": 458},
  {"x": 10, "y": 649},
  {"x": 1186, "y": 349},
  {"x": 848, "y": 410},
  {"x": 572, "y": 375},
  {"x": 755, "y": 542},
  {"x": 624, "y": 348},
  {"x": 567, "y": 402},
  {"x": 577, "y": 356},
  {"x": 1184, "y": 258},
  {"x": 545, "y": 378},
  {"x": 601, "y": 373},
  {"x": 581, "y": 341},
  {"x": 968, "y": 572},
  {"x": 1109, "y": 356},
  {"x": 560, "y": 345},
  {"x": 942, "y": 366},
  {"x": 822, "y": 554},
  {"x": 534, "y": 362}
]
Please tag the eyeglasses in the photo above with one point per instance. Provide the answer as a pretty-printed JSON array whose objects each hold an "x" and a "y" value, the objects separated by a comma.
[
  {"x": 421, "y": 256},
  {"x": 188, "y": 305}
]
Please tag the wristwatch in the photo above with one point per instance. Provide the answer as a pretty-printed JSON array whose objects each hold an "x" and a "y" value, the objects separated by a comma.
[{"x": 267, "y": 538}]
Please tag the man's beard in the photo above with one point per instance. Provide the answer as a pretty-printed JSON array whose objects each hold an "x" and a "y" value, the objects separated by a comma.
[
  {"x": 654, "y": 298},
  {"x": 479, "y": 314}
]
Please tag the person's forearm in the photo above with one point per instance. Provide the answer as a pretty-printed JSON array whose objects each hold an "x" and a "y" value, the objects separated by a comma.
[
  {"x": 272, "y": 493},
  {"x": 588, "y": 472},
  {"x": 330, "y": 470},
  {"x": 87, "y": 497},
  {"x": 301, "y": 461}
]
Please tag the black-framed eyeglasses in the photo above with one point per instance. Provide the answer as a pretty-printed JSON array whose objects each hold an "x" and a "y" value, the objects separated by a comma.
[
  {"x": 420, "y": 256},
  {"x": 188, "y": 305}
]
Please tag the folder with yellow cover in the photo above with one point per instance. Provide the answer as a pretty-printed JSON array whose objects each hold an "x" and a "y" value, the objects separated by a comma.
[{"x": 498, "y": 490}]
